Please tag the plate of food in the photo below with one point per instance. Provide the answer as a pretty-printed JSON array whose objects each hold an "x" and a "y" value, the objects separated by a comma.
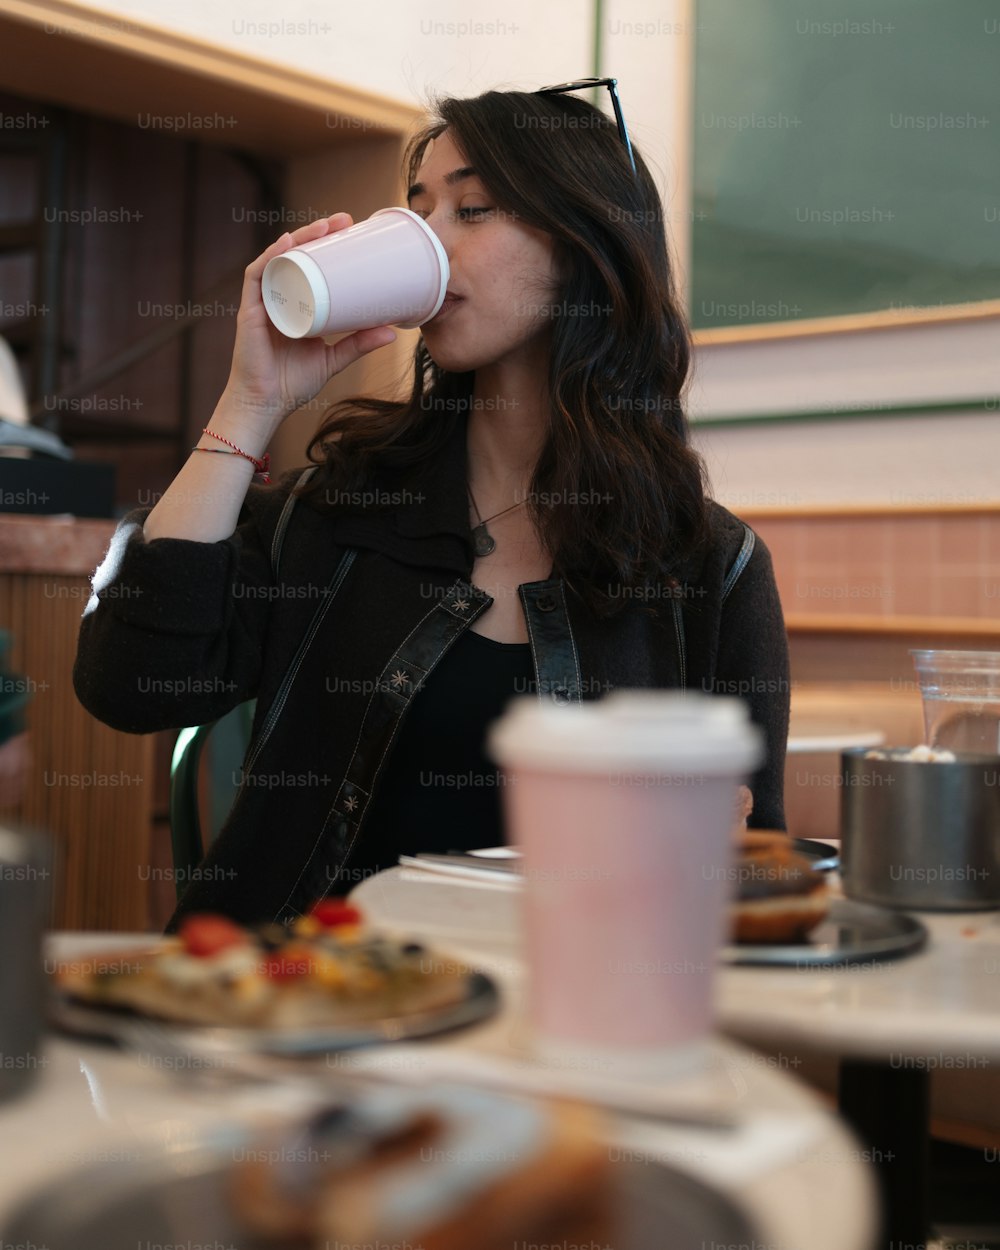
[
  {"x": 784, "y": 913},
  {"x": 326, "y": 982},
  {"x": 442, "y": 1166}
]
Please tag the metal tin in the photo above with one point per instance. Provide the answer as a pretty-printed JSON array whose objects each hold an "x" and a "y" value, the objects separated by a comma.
[{"x": 919, "y": 834}]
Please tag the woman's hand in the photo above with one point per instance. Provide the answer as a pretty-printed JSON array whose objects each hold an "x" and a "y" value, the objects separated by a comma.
[{"x": 272, "y": 375}]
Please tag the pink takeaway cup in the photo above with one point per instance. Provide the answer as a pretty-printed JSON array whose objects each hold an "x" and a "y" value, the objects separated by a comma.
[
  {"x": 623, "y": 810},
  {"x": 389, "y": 269}
]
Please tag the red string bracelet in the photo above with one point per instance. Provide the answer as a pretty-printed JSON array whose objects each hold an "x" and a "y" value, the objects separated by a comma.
[{"x": 263, "y": 466}]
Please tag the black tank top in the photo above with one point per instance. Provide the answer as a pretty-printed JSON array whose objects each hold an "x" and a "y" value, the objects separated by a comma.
[{"x": 440, "y": 791}]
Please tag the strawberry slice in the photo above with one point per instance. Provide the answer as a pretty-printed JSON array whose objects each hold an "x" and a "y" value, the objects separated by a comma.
[
  {"x": 288, "y": 964},
  {"x": 331, "y": 912},
  {"x": 205, "y": 934}
]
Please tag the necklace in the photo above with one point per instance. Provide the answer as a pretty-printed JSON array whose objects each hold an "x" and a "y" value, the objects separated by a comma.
[{"x": 482, "y": 539}]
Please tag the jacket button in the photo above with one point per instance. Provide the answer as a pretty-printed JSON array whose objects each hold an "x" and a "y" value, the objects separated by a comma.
[
  {"x": 560, "y": 694},
  {"x": 545, "y": 603}
]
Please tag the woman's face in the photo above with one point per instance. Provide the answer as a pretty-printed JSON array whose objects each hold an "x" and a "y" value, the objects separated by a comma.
[{"x": 503, "y": 276}]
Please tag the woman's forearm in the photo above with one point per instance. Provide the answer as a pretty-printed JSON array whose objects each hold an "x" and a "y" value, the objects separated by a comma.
[{"x": 203, "y": 501}]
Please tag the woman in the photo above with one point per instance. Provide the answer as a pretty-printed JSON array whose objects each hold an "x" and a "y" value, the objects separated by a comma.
[{"x": 529, "y": 520}]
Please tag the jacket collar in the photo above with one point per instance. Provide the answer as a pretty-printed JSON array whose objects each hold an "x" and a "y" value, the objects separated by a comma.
[{"x": 419, "y": 516}]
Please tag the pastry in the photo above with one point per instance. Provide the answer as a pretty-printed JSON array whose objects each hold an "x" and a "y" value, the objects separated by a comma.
[
  {"x": 442, "y": 1168},
  {"x": 779, "y": 896}
]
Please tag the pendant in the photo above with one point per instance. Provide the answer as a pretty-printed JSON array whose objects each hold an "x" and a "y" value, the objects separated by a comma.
[{"x": 483, "y": 540}]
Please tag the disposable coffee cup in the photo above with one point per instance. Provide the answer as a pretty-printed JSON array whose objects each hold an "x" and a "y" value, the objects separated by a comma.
[
  {"x": 623, "y": 810},
  {"x": 389, "y": 269}
]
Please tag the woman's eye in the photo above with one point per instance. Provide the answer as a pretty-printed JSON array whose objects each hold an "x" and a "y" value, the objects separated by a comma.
[{"x": 472, "y": 211}]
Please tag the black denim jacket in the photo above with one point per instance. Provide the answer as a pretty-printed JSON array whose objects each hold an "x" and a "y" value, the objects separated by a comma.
[{"x": 333, "y": 622}]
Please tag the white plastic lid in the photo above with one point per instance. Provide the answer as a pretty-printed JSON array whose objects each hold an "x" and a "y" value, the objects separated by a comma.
[{"x": 662, "y": 731}]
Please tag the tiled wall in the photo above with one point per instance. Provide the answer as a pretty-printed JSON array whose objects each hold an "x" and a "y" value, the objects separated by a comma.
[
  {"x": 859, "y": 591},
  {"x": 934, "y": 564}
]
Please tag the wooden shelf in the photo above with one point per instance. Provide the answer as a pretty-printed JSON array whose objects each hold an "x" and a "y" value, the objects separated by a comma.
[
  {"x": 123, "y": 68},
  {"x": 833, "y": 623},
  {"x": 862, "y": 511}
]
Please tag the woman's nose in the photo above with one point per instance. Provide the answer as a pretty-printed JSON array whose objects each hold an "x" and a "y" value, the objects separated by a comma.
[{"x": 441, "y": 221}]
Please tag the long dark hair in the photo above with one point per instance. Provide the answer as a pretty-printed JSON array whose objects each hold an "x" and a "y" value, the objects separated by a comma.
[{"x": 617, "y": 436}]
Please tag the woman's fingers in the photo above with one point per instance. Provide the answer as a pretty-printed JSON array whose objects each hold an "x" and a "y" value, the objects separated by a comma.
[
  {"x": 304, "y": 234},
  {"x": 360, "y": 343}
]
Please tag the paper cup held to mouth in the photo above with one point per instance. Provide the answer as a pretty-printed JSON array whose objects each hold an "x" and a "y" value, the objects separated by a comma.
[{"x": 389, "y": 269}]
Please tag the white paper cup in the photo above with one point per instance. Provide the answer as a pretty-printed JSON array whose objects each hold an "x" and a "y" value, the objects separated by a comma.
[
  {"x": 389, "y": 269},
  {"x": 623, "y": 809}
]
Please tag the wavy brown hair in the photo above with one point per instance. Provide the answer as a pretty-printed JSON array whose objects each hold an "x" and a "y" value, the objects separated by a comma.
[{"x": 620, "y": 353}]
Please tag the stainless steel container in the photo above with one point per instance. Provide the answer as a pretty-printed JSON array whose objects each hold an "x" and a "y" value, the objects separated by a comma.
[
  {"x": 25, "y": 893},
  {"x": 920, "y": 834}
]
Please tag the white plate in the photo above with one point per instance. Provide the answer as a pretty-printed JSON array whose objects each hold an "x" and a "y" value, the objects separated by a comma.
[
  {"x": 482, "y": 999},
  {"x": 179, "y": 1199}
]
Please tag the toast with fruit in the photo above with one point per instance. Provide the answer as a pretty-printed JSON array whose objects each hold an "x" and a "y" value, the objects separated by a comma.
[{"x": 327, "y": 969}]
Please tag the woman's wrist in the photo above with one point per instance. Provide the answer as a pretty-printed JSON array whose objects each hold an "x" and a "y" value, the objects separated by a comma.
[
  {"x": 255, "y": 420},
  {"x": 261, "y": 464},
  {"x": 236, "y": 421}
]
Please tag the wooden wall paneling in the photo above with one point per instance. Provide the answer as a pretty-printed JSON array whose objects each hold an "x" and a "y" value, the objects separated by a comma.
[
  {"x": 90, "y": 787},
  {"x": 345, "y": 147}
]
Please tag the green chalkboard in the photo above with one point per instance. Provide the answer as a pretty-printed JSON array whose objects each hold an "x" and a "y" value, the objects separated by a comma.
[{"x": 846, "y": 157}]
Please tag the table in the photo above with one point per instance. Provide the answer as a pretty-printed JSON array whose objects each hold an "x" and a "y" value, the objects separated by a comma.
[
  {"x": 792, "y": 1168},
  {"x": 479, "y": 920},
  {"x": 889, "y": 1023}
]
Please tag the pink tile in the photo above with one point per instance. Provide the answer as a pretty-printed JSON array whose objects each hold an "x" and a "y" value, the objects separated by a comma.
[
  {"x": 990, "y": 540},
  {"x": 824, "y": 543},
  {"x": 912, "y": 591},
  {"x": 961, "y": 546},
  {"x": 914, "y": 540}
]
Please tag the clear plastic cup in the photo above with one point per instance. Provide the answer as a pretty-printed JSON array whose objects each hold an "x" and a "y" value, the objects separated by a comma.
[
  {"x": 622, "y": 809},
  {"x": 961, "y": 694},
  {"x": 389, "y": 269}
]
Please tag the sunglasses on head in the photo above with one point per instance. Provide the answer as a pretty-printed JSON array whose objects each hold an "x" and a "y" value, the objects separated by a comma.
[{"x": 581, "y": 84}]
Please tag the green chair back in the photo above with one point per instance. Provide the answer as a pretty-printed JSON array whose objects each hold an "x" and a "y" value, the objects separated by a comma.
[{"x": 230, "y": 736}]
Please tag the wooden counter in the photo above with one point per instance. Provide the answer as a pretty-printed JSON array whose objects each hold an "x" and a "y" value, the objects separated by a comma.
[{"x": 89, "y": 786}]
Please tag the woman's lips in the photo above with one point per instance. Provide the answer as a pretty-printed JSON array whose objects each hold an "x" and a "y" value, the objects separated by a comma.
[{"x": 448, "y": 303}]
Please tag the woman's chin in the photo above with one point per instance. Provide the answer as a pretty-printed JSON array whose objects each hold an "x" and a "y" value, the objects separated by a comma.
[{"x": 452, "y": 360}]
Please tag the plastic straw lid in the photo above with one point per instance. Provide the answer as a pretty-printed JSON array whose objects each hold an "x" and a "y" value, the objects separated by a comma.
[{"x": 630, "y": 731}]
